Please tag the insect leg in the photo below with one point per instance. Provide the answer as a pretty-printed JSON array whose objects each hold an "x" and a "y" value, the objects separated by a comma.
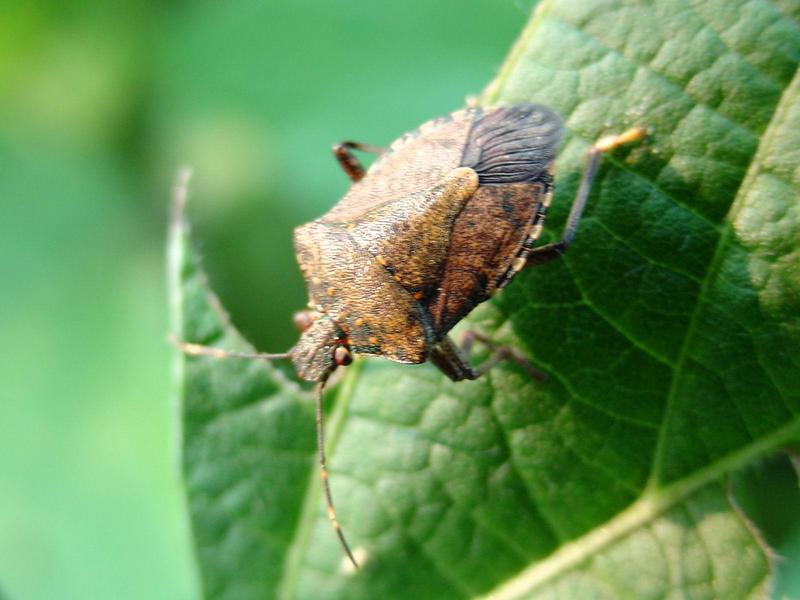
[
  {"x": 453, "y": 361},
  {"x": 556, "y": 249},
  {"x": 323, "y": 472},
  {"x": 347, "y": 160}
]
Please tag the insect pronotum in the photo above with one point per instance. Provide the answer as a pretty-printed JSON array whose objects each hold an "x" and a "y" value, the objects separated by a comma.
[{"x": 442, "y": 220}]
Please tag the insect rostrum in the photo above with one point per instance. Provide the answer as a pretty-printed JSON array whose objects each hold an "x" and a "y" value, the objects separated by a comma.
[{"x": 444, "y": 218}]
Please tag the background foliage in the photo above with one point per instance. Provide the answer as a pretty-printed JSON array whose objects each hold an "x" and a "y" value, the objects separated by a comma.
[{"x": 99, "y": 102}]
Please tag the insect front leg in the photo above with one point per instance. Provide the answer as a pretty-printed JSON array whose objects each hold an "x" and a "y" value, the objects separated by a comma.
[
  {"x": 343, "y": 152},
  {"x": 454, "y": 362},
  {"x": 557, "y": 249}
]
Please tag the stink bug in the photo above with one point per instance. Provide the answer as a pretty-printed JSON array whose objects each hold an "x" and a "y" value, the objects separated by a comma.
[{"x": 444, "y": 218}]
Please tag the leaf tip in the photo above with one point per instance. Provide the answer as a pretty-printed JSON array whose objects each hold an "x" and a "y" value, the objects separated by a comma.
[{"x": 180, "y": 195}]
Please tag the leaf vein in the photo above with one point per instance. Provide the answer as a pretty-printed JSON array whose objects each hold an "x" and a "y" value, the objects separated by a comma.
[{"x": 608, "y": 319}]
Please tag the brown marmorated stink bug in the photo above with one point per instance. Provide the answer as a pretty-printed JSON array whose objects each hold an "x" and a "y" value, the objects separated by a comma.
[{"x": 443, "y": 219}]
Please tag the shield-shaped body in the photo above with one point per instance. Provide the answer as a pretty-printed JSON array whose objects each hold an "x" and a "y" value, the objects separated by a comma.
[{"x": 440, "y": 221}]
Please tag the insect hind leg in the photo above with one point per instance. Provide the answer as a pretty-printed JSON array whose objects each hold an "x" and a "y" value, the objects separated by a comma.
[
  {"x": 557, "y": 249},
  {"x": 453, "y": 361}
]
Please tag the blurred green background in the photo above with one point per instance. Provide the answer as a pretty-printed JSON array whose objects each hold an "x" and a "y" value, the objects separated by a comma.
[{"x": 99, "y": 103}]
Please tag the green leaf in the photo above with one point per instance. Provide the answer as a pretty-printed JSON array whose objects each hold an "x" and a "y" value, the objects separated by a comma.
[{"x": 669, "y": 331}]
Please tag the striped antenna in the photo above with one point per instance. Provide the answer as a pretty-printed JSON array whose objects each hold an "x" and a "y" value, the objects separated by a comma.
[{"x": 323, "y": 472}]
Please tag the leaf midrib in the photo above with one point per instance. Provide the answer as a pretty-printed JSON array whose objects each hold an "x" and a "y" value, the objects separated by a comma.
[
  {"x": 297, "y": 548},
  {"x": 650, "y": 506}
]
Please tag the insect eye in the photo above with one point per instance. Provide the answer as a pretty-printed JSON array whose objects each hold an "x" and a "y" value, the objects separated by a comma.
[
  {"x": 302, "y": 320},
  {"x": 342, "y": 356}
]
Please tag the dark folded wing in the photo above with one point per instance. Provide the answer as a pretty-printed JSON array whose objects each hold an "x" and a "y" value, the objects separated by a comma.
[
  {"x": 514, "y": 144},
  {"x": 512, "y": 149}
]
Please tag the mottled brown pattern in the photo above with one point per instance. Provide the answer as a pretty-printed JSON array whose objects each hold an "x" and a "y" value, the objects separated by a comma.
[
  {"x": 414, "y": 163},
  {"x": 487, "y": 236},
  {"x": 376, "y": 314},
  {"x": 312, "y": 356},
  {"x": 433, "y": 228},
  {"x": 411, "y": 236}
]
